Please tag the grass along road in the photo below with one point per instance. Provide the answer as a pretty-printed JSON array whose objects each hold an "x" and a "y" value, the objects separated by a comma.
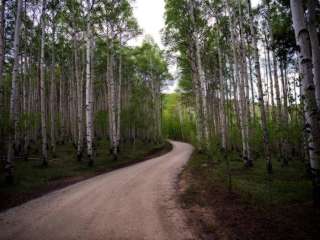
[{"x": 31, "y": 180}]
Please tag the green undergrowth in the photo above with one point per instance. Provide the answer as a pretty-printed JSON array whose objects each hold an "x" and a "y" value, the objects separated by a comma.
[
  {"x": 287, "y": 185},
  {"x": 29, "y": 175}
]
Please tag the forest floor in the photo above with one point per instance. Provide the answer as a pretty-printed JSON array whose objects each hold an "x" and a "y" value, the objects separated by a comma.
[
  {"x": 256, "y": 208},
  {"x": 32, "y": 180}
]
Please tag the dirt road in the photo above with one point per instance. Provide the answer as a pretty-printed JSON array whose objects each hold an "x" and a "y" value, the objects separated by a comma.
[{"x": 137, "y": 202}]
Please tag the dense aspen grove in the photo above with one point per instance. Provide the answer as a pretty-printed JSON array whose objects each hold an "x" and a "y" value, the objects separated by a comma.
[
  {"x": 214, "y": 120},
  {"x": 68, "y": 75},
  {"x": 249, "y": 80}
]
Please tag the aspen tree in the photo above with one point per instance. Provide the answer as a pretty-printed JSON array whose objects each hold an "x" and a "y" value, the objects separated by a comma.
[
  {"x": 14, "y": 94},
  {"x": 222, "y": 102},
  {"x": 2, "y": 53},
  {"x": 269, "y": 70},
  {"x": 201, "y": 78},
  {"x": 244, "y": 111},
  {"x": 53, "y": 95},
  {"x": 118, "y": 124},
  {"x": 62, "y": 107},
  {"x": 79, "y": 99},
  {"x": 275, "y": 80},
  {"x": 196, "y": 90},
  {"x": 284, "y": 115},
  {"x": 311, "y": 113},
  {"x": 112, "y": 102},
  {"x": 89, "y": 92},
  {"x": 239, "y": 79},
  {"x": 311, "y": 4},
  {"x": 43, "y": 109},
  {"x": 252, "y": 88},
  {"x": 254, "y": 43}
]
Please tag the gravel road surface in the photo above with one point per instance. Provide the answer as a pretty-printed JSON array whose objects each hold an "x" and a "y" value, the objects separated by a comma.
[{"x": 136, "y": 203}]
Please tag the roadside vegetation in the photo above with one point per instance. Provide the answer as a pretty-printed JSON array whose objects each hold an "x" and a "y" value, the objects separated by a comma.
[
  {"x": 33, "y": 180},
  {"x": 256, "y": 207},
  {"x": 287, "y": 186},
  {"x": 248, "y": 99}
]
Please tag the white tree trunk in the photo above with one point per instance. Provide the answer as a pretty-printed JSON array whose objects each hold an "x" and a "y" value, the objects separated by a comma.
[
  {"x": 62, "y": 108},
  {"x": 310, "y": 105},
  {"x": 315, "y": 47},
  {"x": 13, "y": 97},
  {"x": 27, "y": 103},
  {"x": 222, "y": 102},
  {"x": 203, "y": 91},
  {"x": 252, "y": 89},
  {"x": 268, "y": 67},
  {"x": 276, "y": 85},
  {"x": 195, "y": 85},
  {"x": 112, "y": 103},
  {"x": 53, "y": 98},
  {"x": 118, "y": 124},
  {"x": 2, "y": 48},
  {"x": 79, "y": 86},
  {"x": 43, "y": 91},
  {"x": 260, "y": 91},
  {"x": 89, "y": 97},
  {"x": 202, "y": 83},
  {"x": 284, "y": 116},
  {"x": 240, "y": 81}
]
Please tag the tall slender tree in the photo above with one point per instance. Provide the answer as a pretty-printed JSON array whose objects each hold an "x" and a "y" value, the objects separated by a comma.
[
  {"x": 14, "y": 94},
  {"x": 314, "y": 45},
  {"x": 43, "y": 108},
  {"x": 254, "y": 44},
  {"x": 2, "y": 48},
  {"x": 89, "y": 92},
  {"x": 312, "y": 126}
]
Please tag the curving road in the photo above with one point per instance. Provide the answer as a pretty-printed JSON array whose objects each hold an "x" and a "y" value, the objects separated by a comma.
[{"x": 136, "y": 202}]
